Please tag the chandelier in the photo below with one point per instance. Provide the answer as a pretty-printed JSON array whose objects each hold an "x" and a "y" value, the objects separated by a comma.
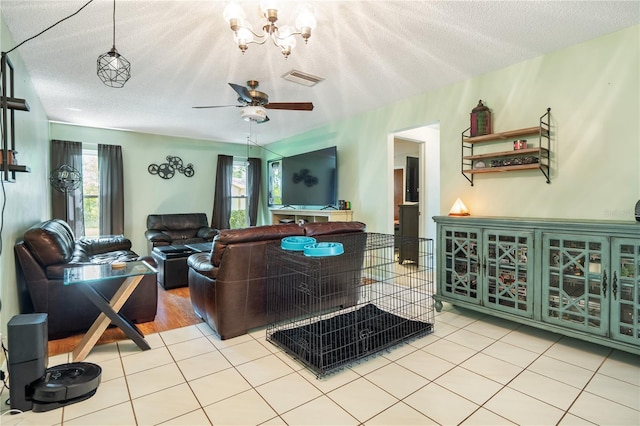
[
  {"x": 283, "y": 37},
  {"x": 113, "y": 69}
]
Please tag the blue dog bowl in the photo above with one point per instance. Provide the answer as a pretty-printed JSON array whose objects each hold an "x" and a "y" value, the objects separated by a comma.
[
  {"x": 323, "y": 249},
  {"x": 296, "y": 243}
]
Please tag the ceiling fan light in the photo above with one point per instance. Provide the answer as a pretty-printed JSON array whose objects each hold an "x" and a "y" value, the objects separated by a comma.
[{"x": 253, "y": 113}]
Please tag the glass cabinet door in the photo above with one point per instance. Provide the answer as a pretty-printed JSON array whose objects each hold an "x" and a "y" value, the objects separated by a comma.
[
  {"x": 460, "y": 264},
  {"x": 509, "y": 279},
  {"x": 625, "y": 290},
  {"x": 576, "y": 282}
]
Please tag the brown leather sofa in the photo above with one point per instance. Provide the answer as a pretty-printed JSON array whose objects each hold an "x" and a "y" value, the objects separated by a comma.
[
  {"x": 49, "y": 247},
  {"x": 228, "y": 286},
  {"x": 178, "y": 229}
]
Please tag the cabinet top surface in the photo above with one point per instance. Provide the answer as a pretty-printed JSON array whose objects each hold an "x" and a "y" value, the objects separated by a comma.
[
  {"x": 305, "y": 211},
  {"x": 568, "y": 224}
]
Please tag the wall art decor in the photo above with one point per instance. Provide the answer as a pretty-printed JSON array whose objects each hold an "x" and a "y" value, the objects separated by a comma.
[{"x": 168, "y": 170}]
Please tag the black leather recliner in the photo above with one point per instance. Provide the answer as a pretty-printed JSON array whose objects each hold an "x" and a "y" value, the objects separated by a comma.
[
  {"x": 49, "y": 247},
  {"x": 178, "y": 229}
]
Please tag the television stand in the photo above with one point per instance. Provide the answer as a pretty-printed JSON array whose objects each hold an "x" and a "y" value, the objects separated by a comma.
[{"x": 288, "y": 216}]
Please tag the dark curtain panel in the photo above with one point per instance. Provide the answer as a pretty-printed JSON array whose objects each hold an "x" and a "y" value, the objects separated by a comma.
[
  {"x": 254, "y": 180},
  {"x": 67, "y": 206},
  {"x": 111, "y": 197},
  {"x": 222, "y": 196}
]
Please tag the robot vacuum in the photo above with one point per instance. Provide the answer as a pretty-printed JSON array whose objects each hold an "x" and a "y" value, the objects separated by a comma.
[{"x": 65, "y": 384}]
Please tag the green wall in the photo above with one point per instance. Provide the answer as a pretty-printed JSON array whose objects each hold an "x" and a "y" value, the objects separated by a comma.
[
  {"x": 594, "y": 95},
  {"x": 26, "y": 201},
  {"x": 146, "y": 193}
]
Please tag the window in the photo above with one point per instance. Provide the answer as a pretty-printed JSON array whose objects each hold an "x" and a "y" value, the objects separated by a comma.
[
  {"x": 90, "y": 199},
  {"x": 239, "y": 218},
  {"x": 275, "y": 182}
]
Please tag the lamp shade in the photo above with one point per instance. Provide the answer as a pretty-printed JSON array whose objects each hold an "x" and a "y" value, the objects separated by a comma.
[
  {"x": 113, "y": 69},
  {"x": 459, "y": 209}
]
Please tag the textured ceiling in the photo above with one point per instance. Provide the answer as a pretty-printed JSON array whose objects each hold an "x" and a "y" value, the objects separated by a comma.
[{"x": 370, "y": 53}]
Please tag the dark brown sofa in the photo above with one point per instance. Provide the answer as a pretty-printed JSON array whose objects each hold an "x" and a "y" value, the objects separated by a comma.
[
  {"x": 228, "y": 286},
  {"x": 178, "y": 229},
  {"x": 42, "y": 255}
]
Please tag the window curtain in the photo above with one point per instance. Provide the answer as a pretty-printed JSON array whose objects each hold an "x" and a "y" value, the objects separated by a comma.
[
  {"x": 222, "y": 196},
  {"x": 68, "y": 206},
  {"x": 111, "y": 190},
  {"x": 253, "y": 189}
]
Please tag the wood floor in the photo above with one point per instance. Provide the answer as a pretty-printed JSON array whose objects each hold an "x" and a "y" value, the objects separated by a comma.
[{"x": 174, "y": 311}]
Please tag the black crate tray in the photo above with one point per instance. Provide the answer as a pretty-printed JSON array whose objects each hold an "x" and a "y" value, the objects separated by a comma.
[{"x": 326, "y": 345}]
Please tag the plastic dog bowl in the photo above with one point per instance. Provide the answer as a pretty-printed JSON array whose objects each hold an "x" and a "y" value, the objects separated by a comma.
[
  {"x": 323, "y": 249},
  {"x": 296, "y": 243}
]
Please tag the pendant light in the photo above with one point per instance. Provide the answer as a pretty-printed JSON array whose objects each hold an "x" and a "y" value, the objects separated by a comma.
[{"x": 113, "y": 69}]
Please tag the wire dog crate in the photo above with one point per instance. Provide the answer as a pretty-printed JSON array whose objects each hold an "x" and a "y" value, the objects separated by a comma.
[{"x": 330, "y": 311}]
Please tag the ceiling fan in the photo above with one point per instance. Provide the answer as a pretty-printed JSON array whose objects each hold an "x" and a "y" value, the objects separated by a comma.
[{"x": 254, "y": 103}]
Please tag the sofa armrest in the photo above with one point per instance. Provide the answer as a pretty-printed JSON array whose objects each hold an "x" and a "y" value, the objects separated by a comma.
[
  {"x": 201, "y": 263},
  {"x": 157, "y": 236},
  {"x": 103, "y": 244},
  {"x": 207, "y": 233}
]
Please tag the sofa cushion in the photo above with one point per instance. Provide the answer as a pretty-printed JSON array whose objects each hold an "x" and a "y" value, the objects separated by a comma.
[
  {"x": 251, "y": 234},
  {"x": 329, "y": 228},
  {"x": 51, "y": 242},
  {"x": 177, "y": 222}
]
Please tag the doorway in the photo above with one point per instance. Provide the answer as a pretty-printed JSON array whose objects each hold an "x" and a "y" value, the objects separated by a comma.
[{"x": 423, "y": 143}]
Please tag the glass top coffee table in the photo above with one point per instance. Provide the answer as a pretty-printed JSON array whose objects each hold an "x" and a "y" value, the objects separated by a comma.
[{"x": 84, "y": 276}]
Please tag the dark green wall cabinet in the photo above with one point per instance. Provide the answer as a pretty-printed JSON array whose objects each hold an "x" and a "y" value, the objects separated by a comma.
[{"x": 576, "y": 278}]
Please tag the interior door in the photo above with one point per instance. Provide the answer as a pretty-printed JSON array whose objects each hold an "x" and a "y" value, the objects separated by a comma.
[{"x": 398, "y": 193}]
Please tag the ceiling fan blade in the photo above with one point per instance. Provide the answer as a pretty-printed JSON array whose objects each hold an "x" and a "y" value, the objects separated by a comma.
[
  {"x": 266, "y": 118},
  {"x": 242, "y": 92},
  {"x": 295, "y": 106},
  {"x": 217, "y": 106}
]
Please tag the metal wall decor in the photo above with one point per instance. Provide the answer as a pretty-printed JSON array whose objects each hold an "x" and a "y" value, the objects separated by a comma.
[{"x": 168, "y": 170}]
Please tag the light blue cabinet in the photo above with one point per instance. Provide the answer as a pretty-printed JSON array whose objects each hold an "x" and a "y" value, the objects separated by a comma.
[
  {"x": 508, "y": 275},
  {"x": 576, "y": 282},
  {"x": 577, "y": 278}
]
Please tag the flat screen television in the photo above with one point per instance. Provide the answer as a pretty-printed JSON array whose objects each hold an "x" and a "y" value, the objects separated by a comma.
[{"x": 311, "y": 179}]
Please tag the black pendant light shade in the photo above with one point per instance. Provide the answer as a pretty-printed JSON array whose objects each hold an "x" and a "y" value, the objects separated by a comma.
[{"x": 113, "y": 69}]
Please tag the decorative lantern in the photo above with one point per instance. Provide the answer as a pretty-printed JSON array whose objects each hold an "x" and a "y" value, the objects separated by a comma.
[{"x": 480, "y": 120}]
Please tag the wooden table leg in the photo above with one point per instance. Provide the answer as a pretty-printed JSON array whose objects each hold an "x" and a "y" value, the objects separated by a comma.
[{"x": 102, "y": 322}]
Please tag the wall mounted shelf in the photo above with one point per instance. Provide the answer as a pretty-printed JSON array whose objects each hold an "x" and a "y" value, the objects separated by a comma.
[
  {"x": 8, "y": 105},
  {"x": 536, "y": 158}
]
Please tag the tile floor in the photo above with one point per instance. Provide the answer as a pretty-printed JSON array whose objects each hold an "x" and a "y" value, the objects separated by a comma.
[{"x": 473, "y": 370}]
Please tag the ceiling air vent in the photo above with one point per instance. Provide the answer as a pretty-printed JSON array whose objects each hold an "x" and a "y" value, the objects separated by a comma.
[{"x": 302, "y": 78}]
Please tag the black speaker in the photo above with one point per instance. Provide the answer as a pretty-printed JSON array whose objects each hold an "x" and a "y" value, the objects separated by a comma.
[
  {"x": 638, "y": 211},
  {"x": 27, "y": 356}
]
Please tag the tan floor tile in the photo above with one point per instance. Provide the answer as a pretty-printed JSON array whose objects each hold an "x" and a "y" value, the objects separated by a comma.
[
  {"x": 362, "y": 399},
  {"x": 235, "y": 410},
  {"x": 164, "y": 405}
]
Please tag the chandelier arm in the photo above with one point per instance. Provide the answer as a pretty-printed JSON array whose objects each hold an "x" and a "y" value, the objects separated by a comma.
[{"x": 276, "y": 35}]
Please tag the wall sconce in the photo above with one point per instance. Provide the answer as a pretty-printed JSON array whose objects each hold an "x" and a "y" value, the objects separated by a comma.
[{"x": 459, "y": 209}]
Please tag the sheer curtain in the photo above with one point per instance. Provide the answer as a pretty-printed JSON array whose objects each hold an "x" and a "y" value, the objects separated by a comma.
[
  {"x": 254, "y": 180},
  {"x": 222, "y": 196},
  {"x": 111, "y": 184},
  {"x": 68, "y": 206}
]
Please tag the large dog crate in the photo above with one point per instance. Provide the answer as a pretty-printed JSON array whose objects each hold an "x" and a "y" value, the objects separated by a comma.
[{"x": 330, "y": 311}]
